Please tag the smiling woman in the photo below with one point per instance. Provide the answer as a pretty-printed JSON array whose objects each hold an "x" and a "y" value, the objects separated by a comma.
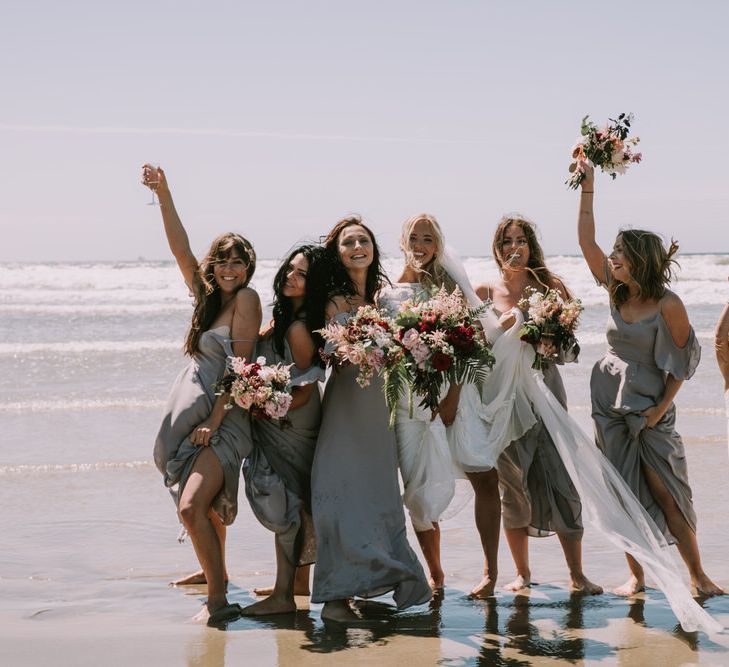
[{"x": 200, "y": 445}]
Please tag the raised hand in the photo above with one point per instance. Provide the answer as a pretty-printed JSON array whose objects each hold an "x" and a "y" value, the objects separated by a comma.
[{"x": 154, "y": 178}]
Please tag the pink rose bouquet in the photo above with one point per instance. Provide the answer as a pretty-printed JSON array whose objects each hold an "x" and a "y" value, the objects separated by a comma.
[
  {"x": 607, "y": 148},
  {"x": 365, "y": 340},
  {"x": 551, "y": 323},
  {"x": 257, "y": 387},
  {"x": 441, "y": 343}
]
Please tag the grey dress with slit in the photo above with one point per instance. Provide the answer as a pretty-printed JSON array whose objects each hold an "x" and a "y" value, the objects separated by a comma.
[
  {"x": 630, "y": 378},
  {"x": 278, "y": 471},
  {"x": 190, "y": 402},
  {"x": 362, "y": 546},
  {"x": 537, "y": 492}
]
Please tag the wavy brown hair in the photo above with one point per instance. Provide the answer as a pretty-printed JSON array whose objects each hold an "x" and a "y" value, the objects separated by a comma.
[
  {"x": 431, "y": 274},
  {"x": 536, "y": 265},
  {"x": 651, "y": 265},
  {"x": 340, "y": 282},
  {"x": 207, "y": 291}
]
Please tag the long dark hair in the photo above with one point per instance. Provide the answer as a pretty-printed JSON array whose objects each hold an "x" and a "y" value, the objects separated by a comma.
[
  {"x": 311, "y": 310},
  {"x": 207, "y": 291},
  {"x": 651, "y": 265},
  {"x": 536, "y": 265},
  {"x": 340, "y": 283}
]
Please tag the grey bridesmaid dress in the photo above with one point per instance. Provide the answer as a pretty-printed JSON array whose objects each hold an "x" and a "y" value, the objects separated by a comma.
[
  {"x": 190, "y": 402},
  {"x": 537, "y": 492},
  {"x": 630, "y": 378},
  {"x": 278, "y": 471},
  {"x": 362, "y": 547}
]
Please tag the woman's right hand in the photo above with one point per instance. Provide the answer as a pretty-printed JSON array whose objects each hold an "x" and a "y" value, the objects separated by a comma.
[
  {"x": 507, "y": 319},
  {"x": 588, "y": 181},
  {"x": 154, "y": 178}
]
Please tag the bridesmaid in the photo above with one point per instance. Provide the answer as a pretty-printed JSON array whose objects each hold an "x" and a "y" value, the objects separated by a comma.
[
  {"x": 425, "y": 462},
  {"x": 652, "y": 349},
  {"x": 538, "y": 497},
  {"x": 358, "y": 517},
  {"x": 278, "y": 472},
  {"x": 200, "y": 445}
]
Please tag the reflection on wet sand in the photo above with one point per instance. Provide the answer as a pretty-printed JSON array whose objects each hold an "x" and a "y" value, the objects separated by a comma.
[{"x": 538, "y": 625}]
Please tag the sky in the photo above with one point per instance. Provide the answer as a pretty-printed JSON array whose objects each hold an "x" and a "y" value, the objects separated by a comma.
[{"x": 275, "y": 119}]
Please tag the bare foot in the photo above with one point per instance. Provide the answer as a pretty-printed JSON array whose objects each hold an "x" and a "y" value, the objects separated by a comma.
[
  {"x": 216, "y": 615},
  {"x": 485, "y": 589},
  {"x": 437, "y": 581},
  {"x": 271, "y": 605},
  {"x": 581, "y": 584},
  {"x": 339, "y": 611},
  {"x": 194, "y": 579},
  {"x": 705, "y": 587},
  {"x": 519, "y": 583},
  {"x": 630, "y": 587},
  {"x": 299, "y": 589}
]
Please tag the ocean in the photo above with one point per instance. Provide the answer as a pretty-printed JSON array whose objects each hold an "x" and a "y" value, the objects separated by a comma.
[{"x": 88, "y": 352}]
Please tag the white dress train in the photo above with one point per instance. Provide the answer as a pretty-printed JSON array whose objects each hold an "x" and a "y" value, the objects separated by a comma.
[{"x": 513, "y": 391}]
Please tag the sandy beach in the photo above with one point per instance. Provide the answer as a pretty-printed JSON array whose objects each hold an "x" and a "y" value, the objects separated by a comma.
[
  {"x": 85, "y": 582},
  {"x": 90, "y": 533}
]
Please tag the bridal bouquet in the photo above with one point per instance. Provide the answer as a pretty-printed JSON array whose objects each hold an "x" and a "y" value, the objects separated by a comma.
[
  {"x": 366, "y": 340},
  {"x": 260, "y": 388},
  {"x": 440, "y": 344},
  {"x": 607, "y": 148},
  {"x": 552, "y": 323}
]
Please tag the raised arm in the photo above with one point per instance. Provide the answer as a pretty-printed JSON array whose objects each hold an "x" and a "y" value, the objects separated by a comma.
[
  {"x": 721, "y": 345},
  {"x": 592, "y": 253},
  {"x": 154, "y": 178}
]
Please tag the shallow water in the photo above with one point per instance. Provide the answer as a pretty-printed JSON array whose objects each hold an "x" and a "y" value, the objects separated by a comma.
[{"x": 87, "y": 354}]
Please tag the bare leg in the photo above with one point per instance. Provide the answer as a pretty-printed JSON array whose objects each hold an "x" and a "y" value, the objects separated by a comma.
[
  {"x": 301, "y": 583},
  {"x": 518, "y": 540},
  {"x": 281, "y": 600},
  {"x": 430, "y": 544},
  {"x": 579, "y": 583},
  {"x": 487, "y": 512},
  {"x": 687, "y": 545},
  {"x": 198, "y": 578},
  {"x": 202, "y": 486},
  {"x": 636, "y": 582}
]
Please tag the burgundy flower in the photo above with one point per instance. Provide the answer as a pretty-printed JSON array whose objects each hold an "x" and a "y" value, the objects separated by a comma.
[{"x": 441, "y": 361}]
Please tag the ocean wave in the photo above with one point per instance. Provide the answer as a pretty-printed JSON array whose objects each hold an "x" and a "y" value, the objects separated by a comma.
[
  {"x": 80, "y": 404},
  {"x": 46, "y": 468},
  {"x": 88, "y": 346}
]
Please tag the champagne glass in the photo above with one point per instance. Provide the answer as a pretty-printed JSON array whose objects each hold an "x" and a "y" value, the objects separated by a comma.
[{"x": 149, "y": 183}]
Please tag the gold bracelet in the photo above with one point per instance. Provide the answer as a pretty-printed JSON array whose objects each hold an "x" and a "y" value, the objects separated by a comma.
[{"x": 588, "y": 192}]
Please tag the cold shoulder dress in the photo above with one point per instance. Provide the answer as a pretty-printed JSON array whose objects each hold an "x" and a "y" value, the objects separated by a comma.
[
  {"x": 630, "y": 378},
  {"x": 190, "y": 402},
  {"x": 278, "y": 471},
  {"x": 362, "y": 547}
]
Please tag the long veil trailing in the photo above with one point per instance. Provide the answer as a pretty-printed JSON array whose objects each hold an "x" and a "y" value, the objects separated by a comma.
[{"x": 608, "y": 504}]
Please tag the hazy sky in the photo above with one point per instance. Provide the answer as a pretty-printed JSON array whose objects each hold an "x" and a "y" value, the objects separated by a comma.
[{"x": 275, "y": 119}]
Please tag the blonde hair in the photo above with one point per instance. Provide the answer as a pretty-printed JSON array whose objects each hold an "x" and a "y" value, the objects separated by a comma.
[{"x": 431, "y": 274}]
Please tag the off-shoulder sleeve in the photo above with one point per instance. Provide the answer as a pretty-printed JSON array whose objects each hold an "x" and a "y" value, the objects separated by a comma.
[
  {"x": 681, "y": 362},
  {"x": 309, "y": 376}
]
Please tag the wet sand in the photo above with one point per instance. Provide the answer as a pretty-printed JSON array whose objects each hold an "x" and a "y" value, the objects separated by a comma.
[{"x": 88, "y": 553}]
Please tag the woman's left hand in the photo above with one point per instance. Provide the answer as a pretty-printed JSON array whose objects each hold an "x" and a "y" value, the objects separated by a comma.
[
  {"x": 653, "y": 415},
  {"x": 202, "y": 434},
  {"x": 448, "y": 408}
]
